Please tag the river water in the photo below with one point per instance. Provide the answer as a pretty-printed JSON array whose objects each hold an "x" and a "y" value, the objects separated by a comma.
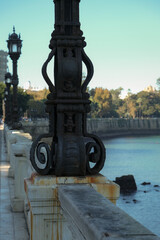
[{"x": 139, "y": 156}]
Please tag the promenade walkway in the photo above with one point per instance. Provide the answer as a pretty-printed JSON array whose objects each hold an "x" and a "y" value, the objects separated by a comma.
[{"x": 12, "y": 225}]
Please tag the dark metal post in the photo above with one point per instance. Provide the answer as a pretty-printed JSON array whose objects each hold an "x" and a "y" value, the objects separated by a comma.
[
  {"x": 5, "y": 106},
  {"x": 15, "y": 116},
  {"x": 14, "y": 47},
  {"x": 8, "y": 81},
  {"x": 69, "y": 148}
]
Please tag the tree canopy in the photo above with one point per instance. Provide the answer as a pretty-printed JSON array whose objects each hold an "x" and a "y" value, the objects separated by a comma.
[{"x": 104, "y": 103}]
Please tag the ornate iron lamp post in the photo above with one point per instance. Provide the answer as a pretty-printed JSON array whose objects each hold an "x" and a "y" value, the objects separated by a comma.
[
  {"x": 5, "y": 105},
  {"x": 68, "y": 149},
  {"x": 14, "y": 47},
  {"x": 8, "y": 81}
]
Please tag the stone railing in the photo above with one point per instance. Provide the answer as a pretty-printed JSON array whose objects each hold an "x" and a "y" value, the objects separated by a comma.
[
  {"x": 66, "y": 208},
  {"x": 18, "y": 146},
  {"x": 36, "y": 127},
  {"x": 91, "y": 216}
]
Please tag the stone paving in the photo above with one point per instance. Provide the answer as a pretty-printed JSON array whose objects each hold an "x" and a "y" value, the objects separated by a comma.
[{"x": 12, "y": 225}]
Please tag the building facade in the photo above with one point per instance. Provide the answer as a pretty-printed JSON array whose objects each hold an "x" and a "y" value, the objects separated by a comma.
[
  {"x": 150, "y": 89},
  {"x": 3, "y": 64}
]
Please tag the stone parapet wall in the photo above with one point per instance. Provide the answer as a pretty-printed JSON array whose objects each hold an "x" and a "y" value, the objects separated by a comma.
[
  {"x": 112, "y": 127},
  {"x": 35, "y": 128},
  {"x": 112, "y": 124},
  {"x": 104, "y": 127}
]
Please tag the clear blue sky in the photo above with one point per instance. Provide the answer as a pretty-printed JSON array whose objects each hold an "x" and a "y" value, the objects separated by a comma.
[{"x": 123, "y": 39}]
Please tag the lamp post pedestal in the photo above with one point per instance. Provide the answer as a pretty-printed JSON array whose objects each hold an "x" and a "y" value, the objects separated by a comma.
[
  {"x": 15, "y": 114},
  {"x": 68, "y": 150}
]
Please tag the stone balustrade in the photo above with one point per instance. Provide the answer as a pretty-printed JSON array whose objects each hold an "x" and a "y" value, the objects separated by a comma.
[
  {"x": 14, "y": 137},
  {"x": 18, "y": 146},
  {"x": 23, "y": 169},
  {"x": 67, "y": 208}
]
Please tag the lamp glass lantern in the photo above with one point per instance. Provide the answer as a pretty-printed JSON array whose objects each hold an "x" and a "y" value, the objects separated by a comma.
[
  {"x": 6, "y": 93},
  {"x": 8, "y": 80},
  {"x": 14, "y": 45},
  {"x": 14, "y": 48}
]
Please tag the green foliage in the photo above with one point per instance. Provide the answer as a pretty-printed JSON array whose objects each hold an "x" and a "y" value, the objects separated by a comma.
[
  {"x": 158, "y": 83},
  {"x": 33, "y": 102},
  {"x": 104, "y": 103},
  {"x": 101, "y": 105},
  {"x": 36, "y": 109},
  {"x": 107, "y": 103},
  {"x": 116, "y": 100},
  {"x": 23, "y": 99},
  {"x": 36, "y": 104},
  {"x": 149, "y": 103},
  {"x": 38, "y": 95}
]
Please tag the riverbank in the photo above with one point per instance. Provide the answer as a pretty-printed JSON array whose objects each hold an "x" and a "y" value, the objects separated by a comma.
[
  {"x": 119, "y": 127},
  {"x": 129, "y": 133}
]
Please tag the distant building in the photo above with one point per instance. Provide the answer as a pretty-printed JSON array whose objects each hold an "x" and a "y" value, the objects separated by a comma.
[
  {"x": 3, "y": 64},
  {"x": 150, "y": 89},
  {"x": 28, "y": 86}
]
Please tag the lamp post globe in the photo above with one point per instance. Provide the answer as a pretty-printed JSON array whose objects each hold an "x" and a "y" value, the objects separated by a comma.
[
  {"x": 8, "y": 79},
  {"x": 6, "y": 92},
  {"x": 14, "y": 44}
]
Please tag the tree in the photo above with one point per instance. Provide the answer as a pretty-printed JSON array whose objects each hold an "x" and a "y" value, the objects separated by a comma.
[
  {"x": 131, "y": 109},
  {"x": 158, "y": 83},
  {"x": 128, "y": 108},
  {"x": 101, "y": 102},
  {"x": 149, "y": 103},
  {"x": 36, "y": 109},
  {"x": 38, "y": 95},
  {"x": 116, "y": 100},
  {"x": 23, "y": 99}
]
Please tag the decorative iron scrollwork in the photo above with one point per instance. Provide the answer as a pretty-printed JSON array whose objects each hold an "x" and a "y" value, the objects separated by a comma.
[
  {"x": 96, "y": 153},
  {"x": 90, "y": 70},
  {"x": 44, "y": 70},
  {"x": 40, "y": 154}
]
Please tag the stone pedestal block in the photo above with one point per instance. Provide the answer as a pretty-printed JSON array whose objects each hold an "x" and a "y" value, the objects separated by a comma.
[
  {"x": 11, "y": 140},
  {"x": 20, "y": 151},
  {"x": 45, "y": 217},
  {"x": 16, "y": 137}
]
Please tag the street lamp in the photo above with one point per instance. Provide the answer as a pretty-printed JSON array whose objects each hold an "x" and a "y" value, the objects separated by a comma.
[
  {"x": 14, "y": 47},
  {"x": 8, "y": 82},
  {"x": 70, "y": 150},
  {"x": 5, "y": 105}
]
